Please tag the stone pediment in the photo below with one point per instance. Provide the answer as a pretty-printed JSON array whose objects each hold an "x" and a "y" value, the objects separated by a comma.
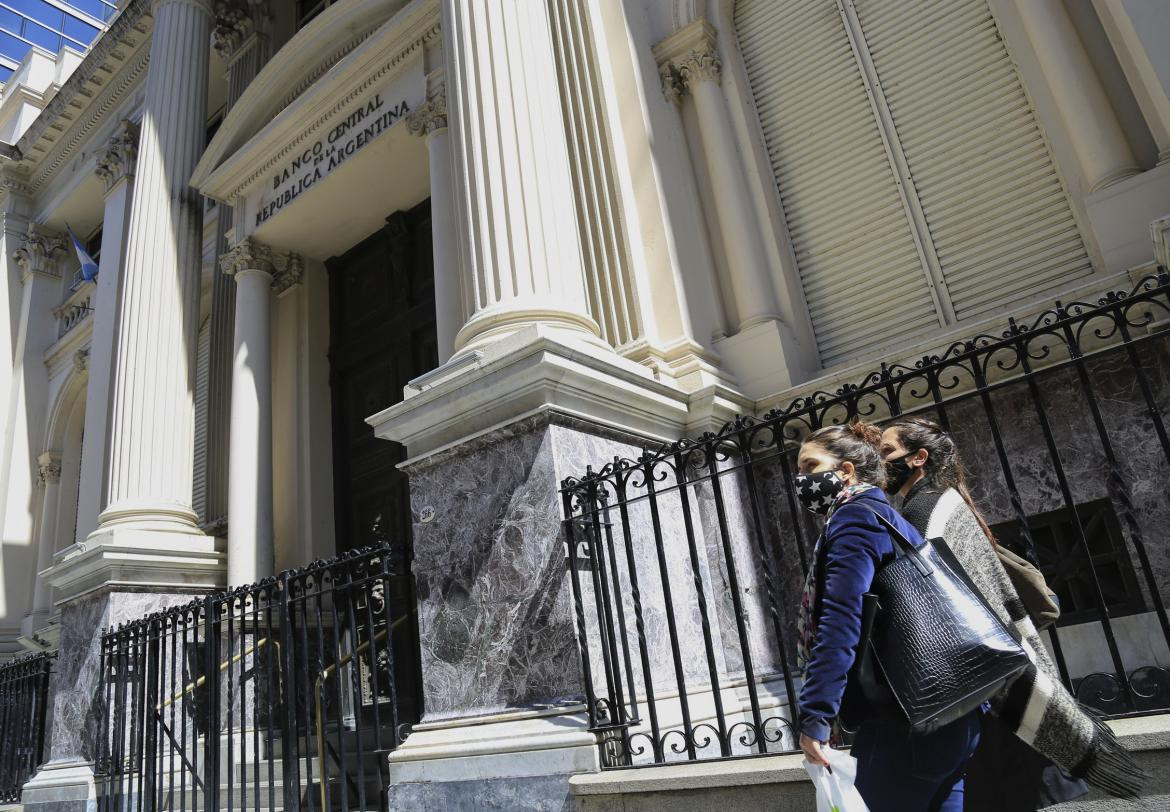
[{"x": 315, "y": 77}]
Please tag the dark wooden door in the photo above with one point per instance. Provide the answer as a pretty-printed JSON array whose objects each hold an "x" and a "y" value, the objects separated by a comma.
[{"x": 382, "y": 334}]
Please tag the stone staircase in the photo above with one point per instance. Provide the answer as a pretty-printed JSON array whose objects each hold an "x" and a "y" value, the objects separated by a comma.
[{"x": 259, "y": 784}]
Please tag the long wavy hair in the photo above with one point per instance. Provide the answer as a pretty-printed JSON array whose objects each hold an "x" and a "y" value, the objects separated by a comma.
[{"x": 943, "y": 467}]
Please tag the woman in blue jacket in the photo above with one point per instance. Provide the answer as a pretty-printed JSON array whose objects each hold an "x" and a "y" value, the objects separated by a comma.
[{"x": 840, "y": 474}]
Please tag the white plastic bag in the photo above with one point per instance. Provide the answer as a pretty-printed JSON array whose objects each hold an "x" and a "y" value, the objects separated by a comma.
[{"x": 835, "y": 790}]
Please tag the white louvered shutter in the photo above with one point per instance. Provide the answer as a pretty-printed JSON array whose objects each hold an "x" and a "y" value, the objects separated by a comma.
[
  {"x": 202, "y": 382},
  {"x": 846, "y": 220},
  {"x": 926, "y": 91},
  {"x": 997, "y": 211}
]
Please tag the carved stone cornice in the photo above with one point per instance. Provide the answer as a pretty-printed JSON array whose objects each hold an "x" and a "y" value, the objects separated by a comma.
[
  {"x": 12, "y": 182},
  {"x": 111, "y": 70},
  {"x": 49, "y": 468},
  {"x": 430, "y": 117},
  {"x": 115, "y": 161},
  {"x": 247, "y": 255},
  {"x": 687, "y": 57},
  {"x": 36, "y": 254}
]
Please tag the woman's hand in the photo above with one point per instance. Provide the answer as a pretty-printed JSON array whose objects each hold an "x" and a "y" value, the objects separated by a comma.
[{"x": 813, "y": 752}]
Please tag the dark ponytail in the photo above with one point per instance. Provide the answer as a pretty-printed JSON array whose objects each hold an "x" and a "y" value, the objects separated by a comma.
[{"x": 943, "y": 468}]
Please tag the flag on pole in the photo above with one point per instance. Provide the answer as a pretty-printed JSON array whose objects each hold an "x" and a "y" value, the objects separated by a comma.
[{"x": 89, "y": 268}]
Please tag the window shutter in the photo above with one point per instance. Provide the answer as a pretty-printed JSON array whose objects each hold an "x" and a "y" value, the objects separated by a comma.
[
  {"x": 981, "y": 201},
  {"x": 997, "y": 211},
  {"x": 845, "y": 218}
]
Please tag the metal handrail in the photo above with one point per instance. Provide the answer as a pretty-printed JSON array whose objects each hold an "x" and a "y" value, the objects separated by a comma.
[{"x": 325, "y": 674}]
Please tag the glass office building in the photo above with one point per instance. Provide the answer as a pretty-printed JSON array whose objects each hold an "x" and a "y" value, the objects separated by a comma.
[{"x": 48, "y": 24}]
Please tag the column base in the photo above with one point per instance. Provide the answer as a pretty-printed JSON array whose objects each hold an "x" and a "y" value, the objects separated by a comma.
[
  {"x": 139, "y": 557},
  {"x": 66, "y": 786},
  {"x": 518, "y": 760},
  {"x": 528, "y": 372}
]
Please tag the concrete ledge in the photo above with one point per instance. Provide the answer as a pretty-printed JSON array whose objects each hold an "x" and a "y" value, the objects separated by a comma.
[
  {"x": 700, "y": 775},
  {"x": 780, "y": 783}
]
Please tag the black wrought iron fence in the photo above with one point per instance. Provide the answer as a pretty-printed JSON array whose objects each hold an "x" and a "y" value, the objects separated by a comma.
[
  {"x": 277, "y": 695},
  {"x": 24, "y": 695},
  {"x": 686, "y": 562}
]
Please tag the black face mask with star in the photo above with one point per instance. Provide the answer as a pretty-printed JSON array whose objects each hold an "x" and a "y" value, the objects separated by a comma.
[{"x": 817, "y": 491}]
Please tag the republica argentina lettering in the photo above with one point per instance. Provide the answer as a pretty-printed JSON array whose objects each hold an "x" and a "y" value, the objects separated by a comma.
[{"x": 347, "y": 137}]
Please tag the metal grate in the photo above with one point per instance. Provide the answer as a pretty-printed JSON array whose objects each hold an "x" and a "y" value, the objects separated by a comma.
[
  {"x": 685, "y": 563},
  {"x": 24, "y": 692},
  {"x": 280, "y": 694}
]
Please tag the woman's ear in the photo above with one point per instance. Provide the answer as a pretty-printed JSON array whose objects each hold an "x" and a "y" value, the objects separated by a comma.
[
  {"x": 848, "y": 471},
  {"x": 919, "y": 457}
]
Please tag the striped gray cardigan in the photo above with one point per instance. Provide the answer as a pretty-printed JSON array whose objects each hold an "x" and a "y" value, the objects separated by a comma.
[{"x": 1036, "y": 706}]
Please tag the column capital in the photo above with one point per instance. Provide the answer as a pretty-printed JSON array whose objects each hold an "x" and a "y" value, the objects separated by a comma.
[
  {"x": 115, "y": 161},
  {"x": 81, "y": 361},
  {"x": 36, "y": 253},
  {"x": 687, "y": 57},
  {"x": 49, "y": 468},
  {"x": 235, "y": 22},
  {"x": 430, "y": 117},
  {"x": 251, "y": 255},
  {"x": 247, "y": 255},
  {"x": 290, "y": 268}
]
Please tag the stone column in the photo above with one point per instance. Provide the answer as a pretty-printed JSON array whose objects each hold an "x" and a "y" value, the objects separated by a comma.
[
  {"x": 49, "y": 468},
  {"x": 256, "y": 270},
  {"x": 430, "y": 121},
  {"x": 697, "y": 69},
  {"x": 240, "y": 39},
  {"x": 115, "y": 167},
  {"x": 1092, "y": 126},
  {"x": 27, "y": 403},
  {"x": 151, "y": 438},
  {"x": 519, "y": 250}
]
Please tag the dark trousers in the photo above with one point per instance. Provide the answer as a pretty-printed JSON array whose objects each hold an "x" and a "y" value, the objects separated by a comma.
[{"x": 900, "y": 772}]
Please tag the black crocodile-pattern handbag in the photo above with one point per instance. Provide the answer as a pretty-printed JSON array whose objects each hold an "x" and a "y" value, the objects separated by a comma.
[{"x": 939, "y": 649}]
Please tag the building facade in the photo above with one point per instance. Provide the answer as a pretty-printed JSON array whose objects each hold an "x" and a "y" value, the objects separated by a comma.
[{"x": 388, "y": 272}]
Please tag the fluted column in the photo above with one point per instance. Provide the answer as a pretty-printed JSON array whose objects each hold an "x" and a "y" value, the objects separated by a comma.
[
  {"x": 519, "y": 251},
  {"x": 257, "y": 270},
  {"x": 151, "y": 441},
  {"x": 430, "y": 121},
  {"x": 49, "y": 471},
  {"x": 115, "y": 167},
  {"x": 1089, "y": 120},
  {"x": 240, "y": 39},
  {"x": 697, "y": 69}
]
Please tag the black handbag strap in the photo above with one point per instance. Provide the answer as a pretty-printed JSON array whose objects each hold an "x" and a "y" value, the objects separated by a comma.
[{"x": 906, "y": 547}]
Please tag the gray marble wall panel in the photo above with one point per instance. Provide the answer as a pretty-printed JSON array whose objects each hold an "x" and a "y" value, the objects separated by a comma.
[
  {"x": 495, "y": 619},
  {"x": 75, "y": 681},
  {"x": 497, "y": 622},
  {"x": 1137, "y": 494}
]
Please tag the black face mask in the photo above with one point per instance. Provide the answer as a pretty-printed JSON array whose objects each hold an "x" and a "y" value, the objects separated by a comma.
[
  {"x": 817, "y": 491},
  {"x": 898, "y": 472}
]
